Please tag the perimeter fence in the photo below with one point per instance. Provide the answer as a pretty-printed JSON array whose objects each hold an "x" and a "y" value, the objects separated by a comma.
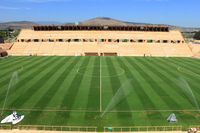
[
  {"x": 95, "y": 129},
  {"x": 49, "y": 128},
  {"x": 143, "y": 128}
]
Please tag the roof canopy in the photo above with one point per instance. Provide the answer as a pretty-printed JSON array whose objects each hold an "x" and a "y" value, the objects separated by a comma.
[{"x": 104, "y": 28}]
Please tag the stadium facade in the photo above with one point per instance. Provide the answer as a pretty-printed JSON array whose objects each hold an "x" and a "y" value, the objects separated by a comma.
[{"x": 80, "y": 40}]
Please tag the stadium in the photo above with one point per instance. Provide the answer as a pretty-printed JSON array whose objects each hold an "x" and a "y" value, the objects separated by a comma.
[{"x": 96, "y": 78}]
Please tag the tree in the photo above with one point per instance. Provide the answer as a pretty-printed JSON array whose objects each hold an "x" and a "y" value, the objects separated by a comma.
[
  {"x": 1, "y": 39},
  {"x": 3, "y": 34},
  {"x": 197, "y": 36}
]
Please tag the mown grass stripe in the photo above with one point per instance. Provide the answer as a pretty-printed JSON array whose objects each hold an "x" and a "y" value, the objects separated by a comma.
[
  {"x": 115, "y": 85},
  {"x": 49, "y": 93},
  {"x": 72, "y": 72},
  {"x": 192, "y": 60},
  {"x": 174, "y": 102},
  {"x": 181, "y": 64},
  {"x": 156, "y": 87},
  {"x": 173, "y": 80},
  {"x": 52, "y": 85},
  {"x": 82, "y": 97},
  {"x": 140, "y": 91},
  {"x": 93, "y": 95},
  {"x": 189, "y": 65},
  {"x": 22, "y": 78},
  {"x": 190, "y": 77},
  {"x": 8, "y": 72},
  {"x": 182, "y": 91},
  {"x": 70, "y": 96},
  {"x": 94, "y": 87},
  {"x": 65, "y": 77},
  {"x": 32, "y": 69},
  {"x": 147, "y": 102},
  {"x": 71, "y": 93},
  {"x": 124, "y": 81},
  {"x": 6, "y": 61},
  {"x": 107, "y": 95},
  {"x": 193, "y": 79},
  {"x": 148, "y": 83},
  {"x": 107, "y": 92},
  {"x": 40, "y": 78},
  {"x": 62, "y": 92},
  {"x": 129, "y": 95},
  {"x": 132, "y": 98},
  {"x": 13, "y": 63}
]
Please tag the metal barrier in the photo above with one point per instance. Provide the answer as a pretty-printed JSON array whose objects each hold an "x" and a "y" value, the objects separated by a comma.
[
  {"x": 195, "y": 126},
  {"x": 143, "y": 128},
  {"x": 6, "y": 127},
  {"x": 94, "y": 129},
  {"x": 49, "y": 128}
]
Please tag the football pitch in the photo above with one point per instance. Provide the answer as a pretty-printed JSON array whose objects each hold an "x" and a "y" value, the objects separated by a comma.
[{"x": 100, "y": 91}]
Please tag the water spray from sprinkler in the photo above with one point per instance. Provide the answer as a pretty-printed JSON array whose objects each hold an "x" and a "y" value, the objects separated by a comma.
[{"x": 122, "y": 93}]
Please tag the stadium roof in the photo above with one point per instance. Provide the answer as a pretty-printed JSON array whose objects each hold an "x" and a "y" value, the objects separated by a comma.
[{"x": 104, "y": 28}]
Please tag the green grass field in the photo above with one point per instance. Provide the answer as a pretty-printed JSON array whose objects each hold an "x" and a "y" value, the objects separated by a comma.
[{"x": 75, "y": 91}]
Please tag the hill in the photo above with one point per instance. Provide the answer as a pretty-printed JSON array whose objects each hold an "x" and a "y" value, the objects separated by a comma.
[
  {"x": 94, "y": 21},
  {"x": 113, "y": 22},
  {"x": 103, "y": 21},
  {"x": 17, "y": 25}
]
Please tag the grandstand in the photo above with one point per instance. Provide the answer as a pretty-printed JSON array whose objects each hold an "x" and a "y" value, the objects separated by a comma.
[
  {"x": 6, "y": 46},
  {"x": 79, "y": 40},
  {"x": 195, "y": 48}
]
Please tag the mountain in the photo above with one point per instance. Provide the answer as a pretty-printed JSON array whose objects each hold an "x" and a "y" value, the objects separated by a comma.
[
  {"x": 185, "y": 29},
  {"x": 99, "y": 21},
  {"x": 111, "y": 22},
  {"x": 49, "y": 23},
  {"x": 17, "y": 25}
]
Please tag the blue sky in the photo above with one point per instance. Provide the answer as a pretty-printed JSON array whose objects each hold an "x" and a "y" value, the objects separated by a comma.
[{"x": 174, "y": 12}]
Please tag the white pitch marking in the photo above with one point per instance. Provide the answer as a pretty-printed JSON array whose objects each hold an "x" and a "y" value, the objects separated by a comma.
[
  {"x": 85, "y": 110},
  {"x": 102, "y": 76},
  {"x": 180, "y": 69},
  {"x": 100, "y": 86}
]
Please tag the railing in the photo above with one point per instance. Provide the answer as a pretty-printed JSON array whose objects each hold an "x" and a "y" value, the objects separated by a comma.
[
  {"x": 6, "y": 127},
  {"x": 49, "y": 128},
  {"x": 94, "y": 129},
  {"x": 195, "y": 126},
  {"x": 143, "y": 128}
]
